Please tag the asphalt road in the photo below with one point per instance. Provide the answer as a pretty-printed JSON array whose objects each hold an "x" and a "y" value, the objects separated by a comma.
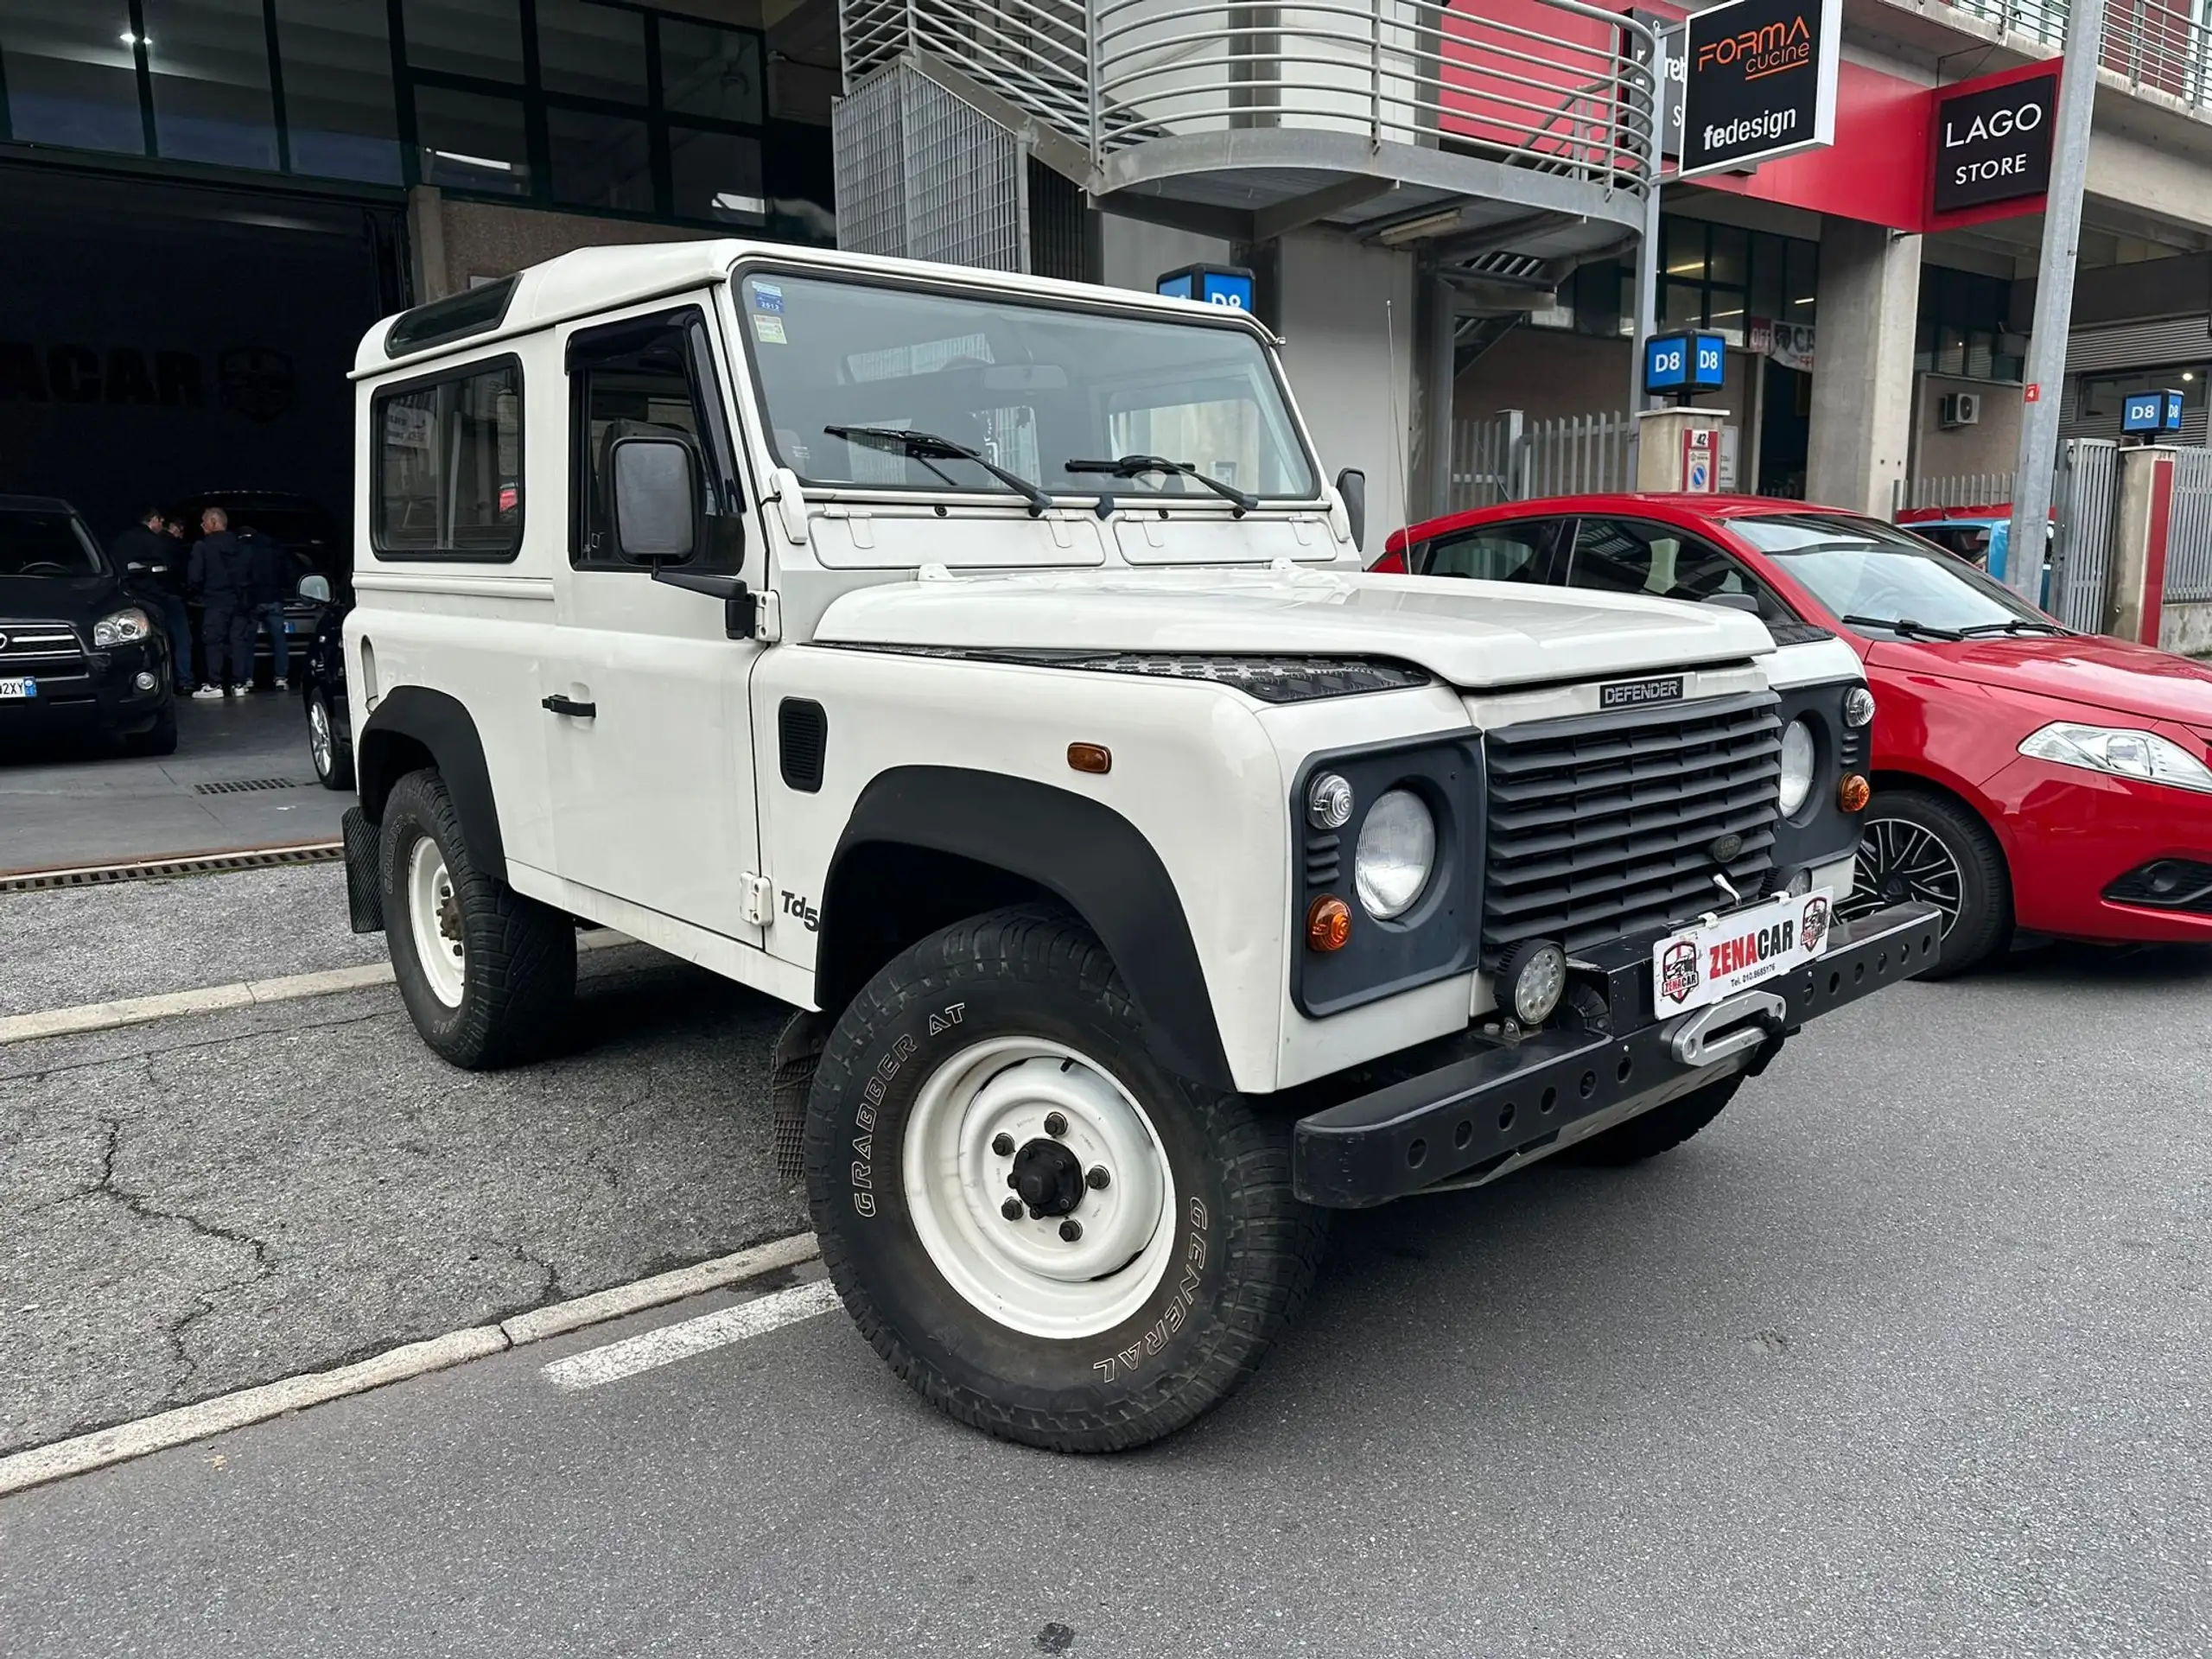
[
  {"x": 62, "y": 808},
  {"x": 1907, "y": 1354}
]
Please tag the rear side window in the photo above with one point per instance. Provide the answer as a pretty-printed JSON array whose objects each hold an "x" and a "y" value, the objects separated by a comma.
[
  {"x": 449, "y": 466},
  {"x": 1490, "y": 553}
]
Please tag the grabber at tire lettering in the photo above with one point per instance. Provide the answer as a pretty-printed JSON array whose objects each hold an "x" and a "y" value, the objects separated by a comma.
[{"x": 1044, "y": 1231}]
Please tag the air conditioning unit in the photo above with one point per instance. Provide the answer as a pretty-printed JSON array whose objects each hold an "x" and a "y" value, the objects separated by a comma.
[{"x": 1959, "y": 408}]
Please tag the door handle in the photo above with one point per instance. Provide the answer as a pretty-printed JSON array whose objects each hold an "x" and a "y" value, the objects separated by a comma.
[{"x": 561, "y": 705}]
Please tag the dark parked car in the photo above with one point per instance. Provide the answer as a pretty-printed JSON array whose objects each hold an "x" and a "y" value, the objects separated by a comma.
[
  {"x": 82, "y": 652},
  {"x": 320, "y": 674},
  {"x": 305, "y": 529}
]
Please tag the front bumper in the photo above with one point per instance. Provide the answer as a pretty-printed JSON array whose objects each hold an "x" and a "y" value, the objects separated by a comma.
[
  {"x": 2072, "y": 837},
  {"x": 1459, "y": 1121}
]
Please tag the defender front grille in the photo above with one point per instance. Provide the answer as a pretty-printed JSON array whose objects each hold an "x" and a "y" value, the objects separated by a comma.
[
  {"x": 1604, "y": 824},
  {"x": 45, "y": 652}
]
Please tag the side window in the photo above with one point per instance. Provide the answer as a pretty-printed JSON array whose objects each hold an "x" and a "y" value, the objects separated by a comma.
[
  {"x": 1491, "y": 552},
  {"x": 650, "y": 376},
  {"x": 1626, "y": 556},
  {"x": 449, "y": 466}
]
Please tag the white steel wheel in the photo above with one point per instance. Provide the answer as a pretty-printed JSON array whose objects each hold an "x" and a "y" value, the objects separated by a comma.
[
  {"x": 434, "y": 917},
  {"x": 1039, "y": 1187},
  {"x": 320, "y": 744}
]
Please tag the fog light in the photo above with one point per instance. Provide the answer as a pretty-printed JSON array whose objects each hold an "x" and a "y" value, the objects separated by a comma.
[
  {"x": 1328, "y": 923},
  {"x": 1858, "y": 706},
  {"x": 1853, "y": 792},
  {"x": 145, "y": 681},
  {"x": 1533, "y": 976}
]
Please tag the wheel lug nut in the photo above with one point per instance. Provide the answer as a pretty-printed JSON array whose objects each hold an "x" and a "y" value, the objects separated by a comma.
[
  {"x": 1011, "y": 1209},
  {"x": 1002, "y": 1144},
  {"x": 1071, "y": 1230},
  {"x": 1055, "y": 1125},
  {"x": 1099, "y": 1180},
  {"x": 1010, "y": 1180}
]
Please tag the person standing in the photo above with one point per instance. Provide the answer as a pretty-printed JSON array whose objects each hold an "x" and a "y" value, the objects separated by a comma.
[
  {"x": 271, "y": 577},
  {"x": 221, "y": 578},
  {"x": 148, "y": 542}
]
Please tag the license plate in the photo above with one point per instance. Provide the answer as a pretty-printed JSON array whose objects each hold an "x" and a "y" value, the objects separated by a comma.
[
  {"x": 1715, "y": 959},
  {"x": 14, "y": 688}
]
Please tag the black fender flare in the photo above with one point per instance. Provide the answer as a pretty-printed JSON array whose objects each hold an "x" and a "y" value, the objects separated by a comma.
[
  {"x": 1085, "y": 854},
  {"x": 409, "y": 719}
]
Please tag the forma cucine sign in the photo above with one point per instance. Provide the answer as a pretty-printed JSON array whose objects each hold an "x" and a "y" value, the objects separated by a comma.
[
  {"x": 1992, "y": 144},
  {"x": 1759, "y": 81}
]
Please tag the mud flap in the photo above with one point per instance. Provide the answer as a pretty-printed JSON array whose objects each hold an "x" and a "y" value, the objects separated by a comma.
[
  {"x": 364, "y": 891},
  {"x": 798, "y": 1051}
]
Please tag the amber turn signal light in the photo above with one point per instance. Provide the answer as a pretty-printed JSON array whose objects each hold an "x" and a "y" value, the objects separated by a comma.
[
  {"x": 1853, "y": 792},
  {"x": 1090, "y": 757},
  {"x": 1328, "y": 923}
]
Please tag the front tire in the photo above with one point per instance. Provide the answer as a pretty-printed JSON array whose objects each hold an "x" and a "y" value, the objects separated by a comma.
[
  {"x": 1916, "y": 845},
  {"x": 1156, "y": 1251},
  {"x": 1661, "y": 1129},
  {"x": 160, "y": 738},
  {"x": 487, "y": 975}
]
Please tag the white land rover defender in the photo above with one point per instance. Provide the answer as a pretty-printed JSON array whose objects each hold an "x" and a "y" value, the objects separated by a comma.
[{"x": 982, "y": 665}]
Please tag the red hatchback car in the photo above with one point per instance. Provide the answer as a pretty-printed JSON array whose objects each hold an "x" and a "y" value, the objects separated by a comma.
[{"x": 2026, "y": 777}]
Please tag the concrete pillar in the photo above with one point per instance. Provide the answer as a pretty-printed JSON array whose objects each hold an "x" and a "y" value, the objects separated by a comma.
[
  {"x": 1869, "y": 306},
  {"x": 2137, "y": 578},
  {"x": 1679, "y": 449},
  {"x": 425, "y": 241}
]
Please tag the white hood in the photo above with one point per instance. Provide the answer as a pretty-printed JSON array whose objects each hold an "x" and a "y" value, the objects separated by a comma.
[{"x": 1472, "y": 634}]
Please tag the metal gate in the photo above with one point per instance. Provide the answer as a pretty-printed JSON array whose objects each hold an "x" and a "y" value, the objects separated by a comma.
[
  {"x": 2189, "y": 528},
  {"x": 2085, "y": 498},
  {"x": 1509, "y": 458}
]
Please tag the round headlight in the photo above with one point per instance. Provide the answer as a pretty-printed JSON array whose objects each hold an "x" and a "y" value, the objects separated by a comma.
[
  {"x": 1328, "y": 802},
  {"x": 1797, "y": 756},
  {"x": 1858, "y": 707},
  {"x": 1397, "y": 849}
]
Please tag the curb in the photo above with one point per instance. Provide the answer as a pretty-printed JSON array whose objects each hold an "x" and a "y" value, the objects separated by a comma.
[
  {"x": 214, "y": 998},
  {"x": 125, "y": 1441}
]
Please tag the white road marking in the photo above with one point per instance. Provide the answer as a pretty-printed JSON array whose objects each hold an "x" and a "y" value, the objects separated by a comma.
[
  {"x": 597, "y": 1366},
  {"x": 212, "y": 999}
]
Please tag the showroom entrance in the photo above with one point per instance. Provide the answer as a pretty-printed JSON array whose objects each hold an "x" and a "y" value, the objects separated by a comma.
[{"x": 159, "y": 339}]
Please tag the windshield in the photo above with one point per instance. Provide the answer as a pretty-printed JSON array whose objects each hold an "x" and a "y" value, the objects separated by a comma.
[
  {"x": 1026, "y": 386},
  {"x": 35, "y": 542},
  {"x": 1869, "y": 574}
]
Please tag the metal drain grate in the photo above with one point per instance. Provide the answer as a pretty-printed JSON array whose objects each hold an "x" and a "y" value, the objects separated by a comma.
[
  {"x": 156, "y": 869},
  {"x": 245, "y": 785}
]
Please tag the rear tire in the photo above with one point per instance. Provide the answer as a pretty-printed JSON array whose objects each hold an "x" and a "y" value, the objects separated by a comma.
[
  {"x": 326, "y": 745},
  {"x": 1661, "y": 1129},
  {"x": 1008, "y": 1044},
  {"x": 1916, "y": 845},
  {"x": 487, "y": 975}
]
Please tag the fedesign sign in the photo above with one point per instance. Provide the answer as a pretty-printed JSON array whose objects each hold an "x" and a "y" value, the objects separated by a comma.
[
  {"x": 1994, "y": 144},
  {"x": 1759, "y": 81}
]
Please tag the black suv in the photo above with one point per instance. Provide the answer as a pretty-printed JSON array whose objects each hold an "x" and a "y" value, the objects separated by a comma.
[{"x": 82, "y": 651}]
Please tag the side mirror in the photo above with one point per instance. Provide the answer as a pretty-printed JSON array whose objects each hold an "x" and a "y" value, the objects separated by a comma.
[
  {"x": 655, "y": 499},
  {"x": 1744, "y": 602},
  {"x": 316, "y": 589},
  {"x": 137, "y": 568},
  {"x": 1352, "y": 485}
]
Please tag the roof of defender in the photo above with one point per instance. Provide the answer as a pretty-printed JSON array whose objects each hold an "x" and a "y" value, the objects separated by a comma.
[{"x": 593, "y": 280}]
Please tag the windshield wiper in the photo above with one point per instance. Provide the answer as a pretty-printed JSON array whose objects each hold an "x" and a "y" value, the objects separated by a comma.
[
  {"x": 926, "y": 447},
  {"x": 1903, "y": 627},
  {"x": 2018, "y": 625},
  {"x": 1136, "y": 465}
]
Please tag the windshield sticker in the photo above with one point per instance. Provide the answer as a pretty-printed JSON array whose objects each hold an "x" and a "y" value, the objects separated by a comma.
[
  {"x": 768, "y": 330},
  {"x": 766, "y": 296}
]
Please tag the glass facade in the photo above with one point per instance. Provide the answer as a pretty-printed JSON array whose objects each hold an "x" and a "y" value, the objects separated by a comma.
[
  {"x": 1714, "y": 277},
  {"x": 1963, "y": 326},
  {"x": 597, "y": 105}
]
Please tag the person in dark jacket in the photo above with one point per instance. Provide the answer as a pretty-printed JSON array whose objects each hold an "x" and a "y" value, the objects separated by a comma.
[
  {"x": 221, "y": 579},
  {"x": 272, "y": 579},
  {"x": 148, "y": 542}
]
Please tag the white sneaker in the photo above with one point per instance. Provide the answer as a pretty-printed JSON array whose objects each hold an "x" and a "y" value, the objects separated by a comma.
[
  {"x": 206, "y": 692},
  {"x": 283, "y": 685}
]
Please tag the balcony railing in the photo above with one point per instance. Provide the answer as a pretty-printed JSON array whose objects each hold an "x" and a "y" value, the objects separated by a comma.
[
  {"x": 1557, "y": 85},
  {"x": 2147, "y": 43}
]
